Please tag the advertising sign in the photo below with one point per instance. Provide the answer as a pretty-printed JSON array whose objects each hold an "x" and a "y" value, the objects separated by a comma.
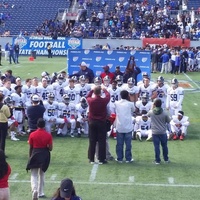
[
  {"x": 96, "y": 59},
  {"x": 39, "y": 44}
]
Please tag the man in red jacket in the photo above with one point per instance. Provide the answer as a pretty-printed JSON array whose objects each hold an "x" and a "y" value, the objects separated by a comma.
[
  {"x": 97, "y": 123},
  {"x": 107, "y": 73}
]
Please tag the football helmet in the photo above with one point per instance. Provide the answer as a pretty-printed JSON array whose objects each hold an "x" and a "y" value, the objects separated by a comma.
[
  {"x": 83, "y": 101},
  {"x": 145, "y": 97},
  {"x": 60, "y": 78},
  {"x": 119, "y": 80},
  {"x": 51, "y": 97},
  {"x": 54, "y": 74},
  {"x": 106, "y": 80},
  {"x": 48, "y": 78},
  {"x": 8, "y": 101},
  {"x": 160, "y": 81},
  {"x": 82, "y": 80},
  {"x": 66, "y": 98},
  {"x": 131, "y": 82},
  {"x": 145, "y": 74},
  {"x": 97, "y": 81},
  {"x": 174, "y": 83},
  {"x": 43, "y": 74},
  {"x": 75, "y": 79}
]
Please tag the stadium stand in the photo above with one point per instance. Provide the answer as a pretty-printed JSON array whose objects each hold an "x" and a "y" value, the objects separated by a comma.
[{"x": 27, "y": 15}]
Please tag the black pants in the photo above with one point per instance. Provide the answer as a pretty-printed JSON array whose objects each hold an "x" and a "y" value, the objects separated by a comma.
[
  {"x": 97, "y": 133},
  {"x": 3, "y": 134}
]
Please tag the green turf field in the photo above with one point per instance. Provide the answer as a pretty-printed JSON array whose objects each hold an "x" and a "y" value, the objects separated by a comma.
[{"x": 141, "y": 180}]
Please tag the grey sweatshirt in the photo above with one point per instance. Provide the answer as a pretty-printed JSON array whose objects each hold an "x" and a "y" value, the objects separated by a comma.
[{"x": 159, "y": 119}]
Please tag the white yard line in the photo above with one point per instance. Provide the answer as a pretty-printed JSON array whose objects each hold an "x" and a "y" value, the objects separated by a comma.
[
  {"x": 192, "y": 81},
  {"x": 117, "y": 183},
  {"x": 93, "y": 172}
]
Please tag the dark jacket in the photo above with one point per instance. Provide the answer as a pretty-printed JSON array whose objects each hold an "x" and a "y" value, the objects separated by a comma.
[
  {"x": 131, "y": 74},
  {"x": 87, "y": 72},
  {"x": 40, "y": 158}
]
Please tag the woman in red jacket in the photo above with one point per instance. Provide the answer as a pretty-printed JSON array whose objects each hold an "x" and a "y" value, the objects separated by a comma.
[{"x": 5, "y": 171}]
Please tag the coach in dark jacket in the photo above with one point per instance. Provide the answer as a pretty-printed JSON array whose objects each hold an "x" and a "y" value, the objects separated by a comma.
[
  {"x": 84, "y": 70},
  {"x": 34, "y": 112}
]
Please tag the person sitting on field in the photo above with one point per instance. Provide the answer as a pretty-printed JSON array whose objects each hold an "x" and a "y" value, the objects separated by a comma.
[{"x": 179, "y": 124}]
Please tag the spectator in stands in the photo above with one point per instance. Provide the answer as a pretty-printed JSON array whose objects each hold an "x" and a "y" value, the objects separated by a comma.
[{"x": 84, "y": 70}]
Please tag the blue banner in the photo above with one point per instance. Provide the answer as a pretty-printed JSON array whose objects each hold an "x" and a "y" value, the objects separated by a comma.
[
  {"x": 96, "y": 59},
  {"x": 39, "y": 44}
]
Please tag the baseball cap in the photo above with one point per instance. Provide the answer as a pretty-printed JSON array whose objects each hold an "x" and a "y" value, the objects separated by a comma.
[
  {"x": 66, "y": 188},
  {"x": 83, "y": 64}
]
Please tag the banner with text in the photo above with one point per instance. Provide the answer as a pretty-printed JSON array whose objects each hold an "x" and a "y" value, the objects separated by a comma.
[
  {"x": 96, "y": 59},
  {"x": 39, "y": 44},
  {"x": 170, "y": 42}
]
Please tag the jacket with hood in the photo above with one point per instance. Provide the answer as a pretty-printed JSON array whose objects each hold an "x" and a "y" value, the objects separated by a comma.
[{"x": 159, "y": 119}]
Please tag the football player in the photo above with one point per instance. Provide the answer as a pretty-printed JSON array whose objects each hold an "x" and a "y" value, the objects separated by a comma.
[
  {"x": 58, "y": 87},
  {"x": 50, "y": 114},
  {"x": 132, "y": 89},
  {"x": 143, "y": 104},
  {"x": 66, "y": 111},
  {"x": 119, "y": 80},
  {"x": 44, "y": 89},
  {"x": 147, "y": 88},
  {"x": 83, "y": 86},
  {"x": 82, "y": 118},
  {"x": 73, "y": 92},
  {"x": 175, "y": 95},
  {"x": 142, "y": 126},
  {"x": 12, "y": 123},
  {"x": 179, "y": 124},
  {"x": 161, "y": 90},
  {"x": 19, "y": 103},
  {"x": 114, "y": 95}
]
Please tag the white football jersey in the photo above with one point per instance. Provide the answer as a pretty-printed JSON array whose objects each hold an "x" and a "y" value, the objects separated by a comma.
[
  {"x": 19, "y": 100},
  {"x": 141, "y": 124},
  {"x": 28, "y": 92},
  {"x": 73, "y": 93},
  {"x": 132, "y": 90},
  {"x": 66, "y": 110},
  {"x": 114, "y": 94},
  {"x": 162, "y": 94},
  {"x": 141, "y": 106},
  {"x": 58, "y": 90},
  {"x": 6, "y": 92},
  {"x": 51, "y": 110},
  {"x": 184, "y": 121},
  {"x": 84, "y": 89},
  {"x": 175, "y": 97},
  {"x": 80, "y": 111},
  {"x": 44, "y": 91},
  {"x": 149, "y": 90}
]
